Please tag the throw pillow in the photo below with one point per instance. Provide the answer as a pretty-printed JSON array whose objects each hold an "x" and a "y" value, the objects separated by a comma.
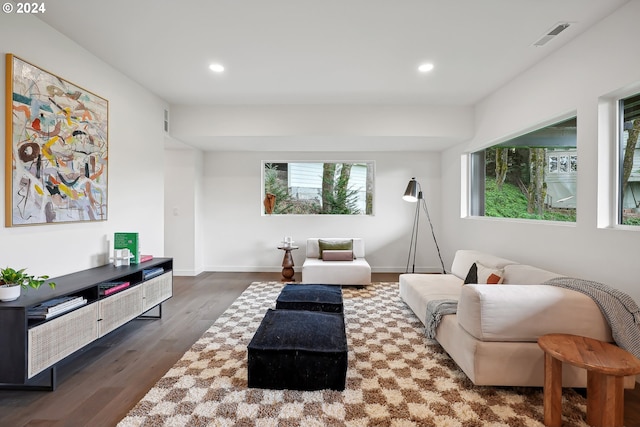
[
  {"x": 337, "y": 255},
  {"x": 472, "y": 275},
  {"x": 336, "y": 245},
  {"x": 479, "y": 273},
  {"x": 489, "y": 275}
]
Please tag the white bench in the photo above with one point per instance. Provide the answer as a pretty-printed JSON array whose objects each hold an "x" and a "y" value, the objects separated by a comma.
[{"x": 318, "y": 271}]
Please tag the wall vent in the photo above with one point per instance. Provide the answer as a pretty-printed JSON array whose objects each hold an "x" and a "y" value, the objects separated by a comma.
[
  {"x": 553, "y": 32},
  {"x": 166, "y": 121}
]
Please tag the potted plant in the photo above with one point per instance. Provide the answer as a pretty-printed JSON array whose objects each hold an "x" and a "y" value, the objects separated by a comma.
[{"x": 12, "y": 281}]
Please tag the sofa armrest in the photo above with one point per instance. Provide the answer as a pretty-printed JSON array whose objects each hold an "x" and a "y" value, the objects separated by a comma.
[{"x": 526, "y": 312}]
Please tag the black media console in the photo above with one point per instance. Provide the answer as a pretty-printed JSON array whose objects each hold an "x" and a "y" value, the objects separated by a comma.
[{"x": 30, "y": 347}]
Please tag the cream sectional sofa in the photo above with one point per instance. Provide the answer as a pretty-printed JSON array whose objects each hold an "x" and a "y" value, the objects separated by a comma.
[
  {"x": 315, "y": 270},
  {"x": 493, "y": 336}
]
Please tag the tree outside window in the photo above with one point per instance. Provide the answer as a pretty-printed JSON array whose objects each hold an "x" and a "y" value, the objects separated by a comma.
[
  {"x": 313, "y": 188},
  {"x": 629, "y": 200},
  {"x": 533, "y": 176}
]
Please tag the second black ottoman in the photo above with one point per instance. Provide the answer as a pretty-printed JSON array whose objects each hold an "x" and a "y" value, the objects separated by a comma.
[
  {"x": 298, "y": 350},
  {"x": 311, "y": 297}
]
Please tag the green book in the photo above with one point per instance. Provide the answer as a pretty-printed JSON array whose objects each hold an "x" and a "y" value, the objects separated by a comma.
[{"x": 128, "y": 241}]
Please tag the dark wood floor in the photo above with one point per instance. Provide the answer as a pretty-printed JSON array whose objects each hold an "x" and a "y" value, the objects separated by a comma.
[{"x": 102, "y": 383}]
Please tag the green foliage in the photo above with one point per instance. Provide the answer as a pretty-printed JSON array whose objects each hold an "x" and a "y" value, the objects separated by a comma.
[
  {"x": 9, "y": 275},
  {"x": 337, "y": 197},
  {"x": 631, "y": 221},
  {"x": 340, "y": 199},
  {"x": 285, "y": 202},
  {"x": 511, "y": 203},
  {"x": 517, "y": 164}
]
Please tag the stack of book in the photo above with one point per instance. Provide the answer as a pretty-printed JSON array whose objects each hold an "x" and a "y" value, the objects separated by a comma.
[
  {"x": 108, "y": 288},
  {"x": 55, "y": 307},
  {"x": 152, "y": 272}
]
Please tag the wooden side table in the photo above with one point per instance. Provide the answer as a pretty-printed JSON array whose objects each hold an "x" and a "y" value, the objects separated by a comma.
[
  {"x": 287, "y": 264},
  {"x": 606, "y": 366}
]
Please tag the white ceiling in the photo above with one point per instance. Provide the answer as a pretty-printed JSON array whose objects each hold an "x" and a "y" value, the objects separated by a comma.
[{"x": 321, "y": 51}]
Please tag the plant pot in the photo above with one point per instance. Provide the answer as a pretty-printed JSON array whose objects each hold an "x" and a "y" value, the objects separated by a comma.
[{"x": 9, "y": 292}]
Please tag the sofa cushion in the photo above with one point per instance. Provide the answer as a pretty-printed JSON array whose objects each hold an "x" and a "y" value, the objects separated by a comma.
[
  {"x": 337, "y": 255},
  {"x": 465, "y": 257},
  {"x": 526, "y": 274},
  {"x": 313, "y": 247},
  {"x": 418, "y": 289},
  {"x": 526, "y": 312},
  {"x": 356, "y": 272},
  {"x": 334, "y": 245}
]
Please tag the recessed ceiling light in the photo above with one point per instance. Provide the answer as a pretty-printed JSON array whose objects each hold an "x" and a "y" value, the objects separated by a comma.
[
  {"x": 425, "y": 68},
  {"x": 216, "y": 68}
]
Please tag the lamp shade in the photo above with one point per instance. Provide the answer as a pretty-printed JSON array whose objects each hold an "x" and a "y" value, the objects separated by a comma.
[{"x": 411, "y": 193}]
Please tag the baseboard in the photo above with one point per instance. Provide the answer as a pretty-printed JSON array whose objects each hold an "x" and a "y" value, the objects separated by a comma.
[
  {"x": 275, "y": 269},
  {"x": 246, "y": 269},
  {"x": 189, "y": 273},
  {"x": 403, "y": 270}
]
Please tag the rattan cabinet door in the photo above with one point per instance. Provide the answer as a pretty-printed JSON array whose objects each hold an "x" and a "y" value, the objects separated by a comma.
[
  {"x": 156, "y": 290},
  {"x": 118, "y": 309},
  {"x": 59, "y": 337}
]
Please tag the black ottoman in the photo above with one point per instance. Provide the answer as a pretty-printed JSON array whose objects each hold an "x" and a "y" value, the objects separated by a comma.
[
  {"x": 311, "y": 297},
  {"x": 298, "y": 350}
]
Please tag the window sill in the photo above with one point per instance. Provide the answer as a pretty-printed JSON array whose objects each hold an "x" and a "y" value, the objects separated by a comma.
[{"x": 521, "y": 221}]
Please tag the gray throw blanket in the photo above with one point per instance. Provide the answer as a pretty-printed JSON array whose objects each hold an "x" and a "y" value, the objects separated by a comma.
[
  {"x": 435, "y": 310},
  {"x": 617, "y": 307}
]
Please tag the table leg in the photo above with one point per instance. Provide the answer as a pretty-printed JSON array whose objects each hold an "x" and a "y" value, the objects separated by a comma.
[
  {"x": 552, "y": 391},
  {"x": 605, "y": 400},
  {"x": 287, "y": 267}
]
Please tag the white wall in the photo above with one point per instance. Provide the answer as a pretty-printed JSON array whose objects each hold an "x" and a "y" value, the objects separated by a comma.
[
  {"x": 239, "y": 238},
  {"x": 183, "y": 210},
  {"x": 136, "y": 180},
  {"x": 235, "y": 235},
  {"x": 572, "y": 79},
  {"x": 440, "y": 122}
]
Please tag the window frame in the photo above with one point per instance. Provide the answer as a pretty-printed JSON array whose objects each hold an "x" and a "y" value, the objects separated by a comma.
[
  {"x": 476, "y": 177},
  {"x": 619, "y": 159},
  {"x": 371, "y": 166}
]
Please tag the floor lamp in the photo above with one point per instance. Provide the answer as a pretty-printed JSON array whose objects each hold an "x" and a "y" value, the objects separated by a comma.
[{"x": 413, "y": 193}]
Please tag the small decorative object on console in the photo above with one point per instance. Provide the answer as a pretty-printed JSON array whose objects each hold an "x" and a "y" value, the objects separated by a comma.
[
  {"x": 55, "y": 307},
  {"x": 129, "y": 241},
  {"x": 12, "y": 281},
  {"x": 121, "y": 257},
  {"x": 287, "y": 242},
  {"x": 148, "y": 273}
]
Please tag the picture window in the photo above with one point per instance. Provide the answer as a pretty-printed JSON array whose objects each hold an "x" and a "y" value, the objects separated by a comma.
[
  {"x": 629, "y": 161},
  {"x": 318, "y": 188},
  {"x": 532, "y": 176}
]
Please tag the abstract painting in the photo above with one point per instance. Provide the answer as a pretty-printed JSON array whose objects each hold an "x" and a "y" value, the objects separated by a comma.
[{"x": 56, "y": 149}]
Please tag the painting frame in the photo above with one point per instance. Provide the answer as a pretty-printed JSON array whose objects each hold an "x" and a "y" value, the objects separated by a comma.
[{"x": 56, "y": 149}]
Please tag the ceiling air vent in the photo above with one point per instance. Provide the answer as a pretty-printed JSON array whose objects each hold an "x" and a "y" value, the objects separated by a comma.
[{"x": 557, "y": 29}]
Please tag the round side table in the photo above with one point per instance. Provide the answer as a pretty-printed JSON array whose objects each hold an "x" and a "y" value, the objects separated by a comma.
[
  {"x": 606, "y": 366},
  {"x": 287, "y": 263}
]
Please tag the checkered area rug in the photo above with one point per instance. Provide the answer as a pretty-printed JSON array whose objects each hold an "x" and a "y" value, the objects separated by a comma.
[{"x": 395, "y": 377}]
